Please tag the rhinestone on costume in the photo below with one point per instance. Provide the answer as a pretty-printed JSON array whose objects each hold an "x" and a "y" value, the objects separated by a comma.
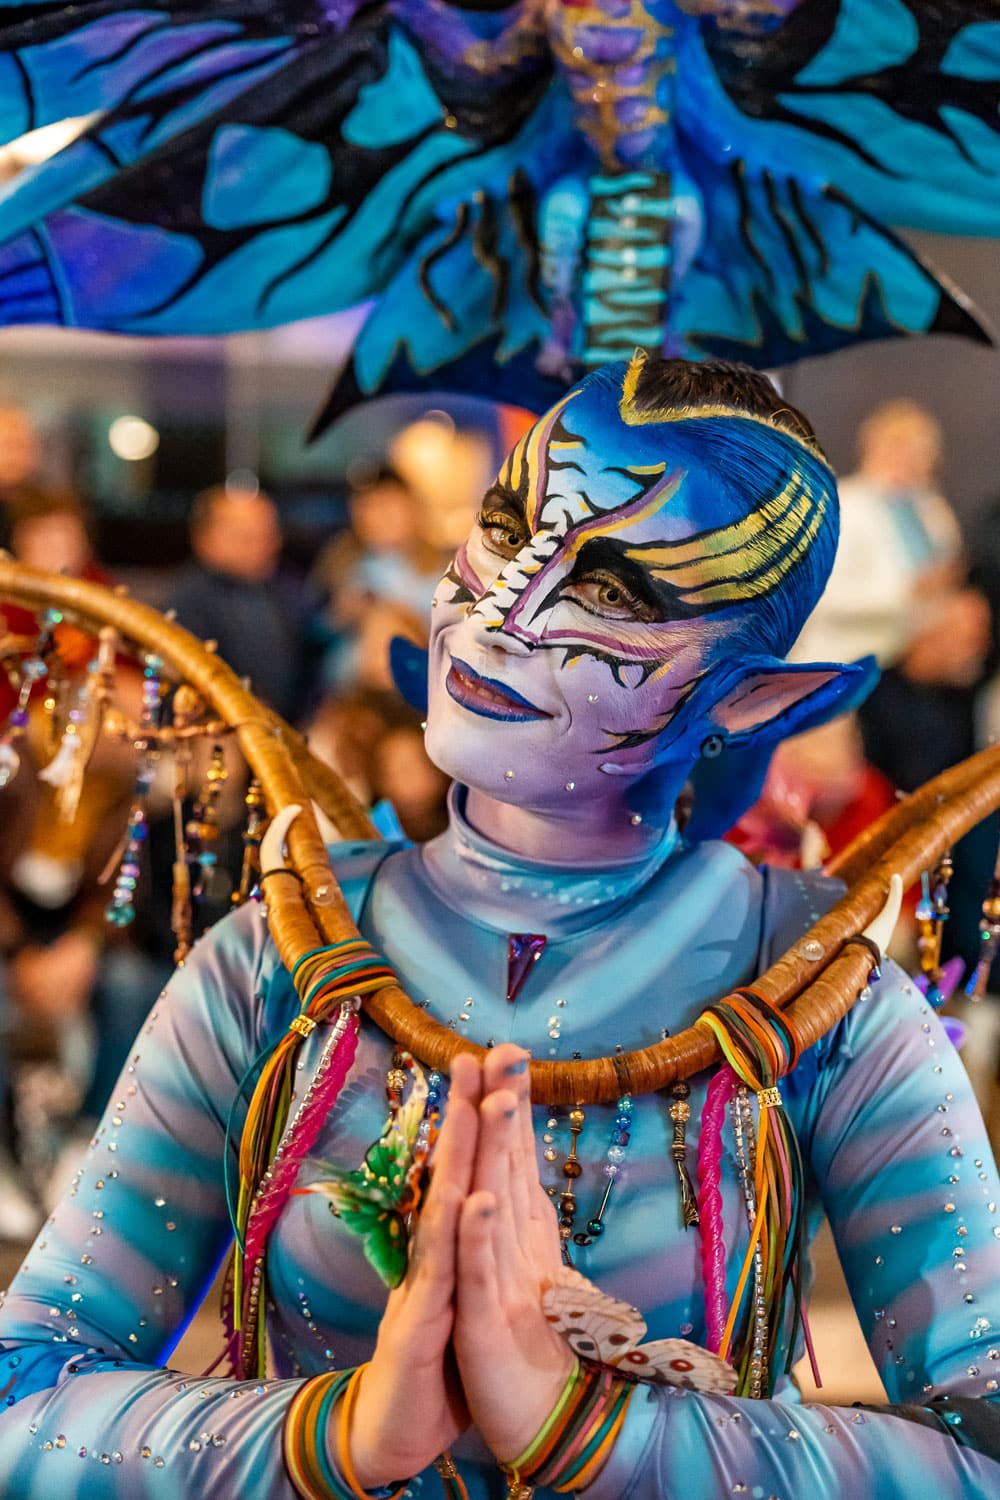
[{"x": 524, "y": 949}]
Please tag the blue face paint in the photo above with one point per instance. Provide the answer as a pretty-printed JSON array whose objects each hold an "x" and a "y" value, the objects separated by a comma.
[{"x": 636, "y": 575}]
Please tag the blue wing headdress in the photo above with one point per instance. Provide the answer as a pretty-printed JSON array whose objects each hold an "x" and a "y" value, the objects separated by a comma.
[{"x": 521, "y": 190}]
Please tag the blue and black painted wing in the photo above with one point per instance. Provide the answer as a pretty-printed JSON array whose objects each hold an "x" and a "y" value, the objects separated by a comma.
[
  {"x": 793, "y": 146},
  {"x": 248, "y": 164},
  {"x": 259, "y": 167},
  {"x": 894, "y": 102},
  {"x": 802, "y": 145}
]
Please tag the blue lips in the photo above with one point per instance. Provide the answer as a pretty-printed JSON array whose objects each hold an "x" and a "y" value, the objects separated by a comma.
[{"x": 470, "y": 689}]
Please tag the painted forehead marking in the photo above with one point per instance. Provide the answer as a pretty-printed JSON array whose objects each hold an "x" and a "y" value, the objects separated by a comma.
[
  {"x": 530, "y": 465},
  {"x": 525, "y": 461},
  {"x": 534, "y": 574},
  {"x": 748, "y": 558},
  {"x": 630, "y": 514}
]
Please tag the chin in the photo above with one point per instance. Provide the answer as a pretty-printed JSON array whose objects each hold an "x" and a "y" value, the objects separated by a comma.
[{"x": 478, "y": 751}]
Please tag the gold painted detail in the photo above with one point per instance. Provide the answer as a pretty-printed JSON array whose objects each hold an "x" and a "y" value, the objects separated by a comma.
[{"x": 633, "y": 418}]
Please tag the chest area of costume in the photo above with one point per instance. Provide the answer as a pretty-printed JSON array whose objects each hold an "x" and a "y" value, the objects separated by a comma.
[
  {"x": 327, "y": 1300},
  {"x": 622, "y": 983}
]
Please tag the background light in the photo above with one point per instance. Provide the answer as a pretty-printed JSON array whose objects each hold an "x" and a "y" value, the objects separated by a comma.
[{"x": 133, "y": 438}]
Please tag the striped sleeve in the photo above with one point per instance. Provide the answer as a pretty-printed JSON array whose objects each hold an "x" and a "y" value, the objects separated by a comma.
[
  {"x": 117, "y": 1272},
  {"x": 899, "y": 1150}
]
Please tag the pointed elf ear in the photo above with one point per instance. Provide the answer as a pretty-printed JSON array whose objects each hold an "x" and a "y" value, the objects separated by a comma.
[
  {"x": 764, "y": 701},
  {"x": 772, "y": 700}
]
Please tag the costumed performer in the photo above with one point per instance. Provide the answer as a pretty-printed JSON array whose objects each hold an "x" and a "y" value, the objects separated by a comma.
[{"x": 615, "y": 624}]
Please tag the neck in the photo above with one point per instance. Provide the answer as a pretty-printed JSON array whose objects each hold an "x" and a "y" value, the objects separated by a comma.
[{"x": 593, "y": 832}]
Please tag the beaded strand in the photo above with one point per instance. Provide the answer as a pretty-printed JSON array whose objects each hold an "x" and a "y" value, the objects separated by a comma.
[
  {"x": 120, "y": 910},
  {"x": 746, "y": 1146},
  {"x": 621, "y": 1134}
]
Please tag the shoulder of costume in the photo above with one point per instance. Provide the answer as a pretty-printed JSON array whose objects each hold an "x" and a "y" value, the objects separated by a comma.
[
  {"x": 715, "y": 859},
  {"x": 355, "y": 864},
  {"x": 793, "y": 901}
]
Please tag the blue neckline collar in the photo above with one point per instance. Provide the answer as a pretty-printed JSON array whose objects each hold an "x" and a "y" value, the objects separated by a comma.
[{"x": 508, "y": 892}]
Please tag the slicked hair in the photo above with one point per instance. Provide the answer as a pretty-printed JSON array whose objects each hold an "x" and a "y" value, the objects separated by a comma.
[{"x": 680, "y": 385}]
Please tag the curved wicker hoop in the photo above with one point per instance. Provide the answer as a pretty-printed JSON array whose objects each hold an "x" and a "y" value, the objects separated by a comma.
[{"x": 818, "y": 980}]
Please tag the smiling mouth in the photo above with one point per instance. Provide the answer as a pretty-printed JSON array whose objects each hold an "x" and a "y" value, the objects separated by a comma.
[{"x": 491, "y": 699}]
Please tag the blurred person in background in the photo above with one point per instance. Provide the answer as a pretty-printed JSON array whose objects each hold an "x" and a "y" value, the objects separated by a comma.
[
  {"x": 266, "y": 625},
  {"x": 380, "y": 578},
  {"x": 72, "y": 1005},
  {"x": 375, "y": 742},
  {"x": 404, "y": 776},
  {"x": 50, "y": 528},
  {"x": 899, "y": 590},
  {"x": 819, "y": 794},
  {"x": 449, "y": 469},
  {"x": 20, "y": 461}
]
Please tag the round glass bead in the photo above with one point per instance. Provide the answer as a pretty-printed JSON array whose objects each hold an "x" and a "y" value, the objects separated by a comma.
[
  {"x": 624, "y": 1105},
  {"x": 595, "y": 1228},
  {"x": 616, "y": 1154},
  {"x": 571, "y": 1167}
]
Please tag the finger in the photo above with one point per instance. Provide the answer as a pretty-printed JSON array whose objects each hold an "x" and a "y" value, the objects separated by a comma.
[
  {"x": 504, "y": 1067},
  {"x": 455, "y": 1152},
  {"x": 508, "y": 1067},
  {"x": 498, "y": 1137},
  {"x": 465, "y": 1078},
  {"x": 478, "y": 1292},
  {"x": 430, "y": 1277}
]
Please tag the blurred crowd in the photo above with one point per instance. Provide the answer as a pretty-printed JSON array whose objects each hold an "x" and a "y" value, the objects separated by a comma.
[{"x": 314, "y": 644}]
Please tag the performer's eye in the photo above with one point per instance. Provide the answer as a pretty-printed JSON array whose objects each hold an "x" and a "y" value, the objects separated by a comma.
[
  {"x": 604, "y": 594},
  {"x": 503, "y": 534}
]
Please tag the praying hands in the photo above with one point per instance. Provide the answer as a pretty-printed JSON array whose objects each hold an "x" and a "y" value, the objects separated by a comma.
[{"x": 464, "y": 1337}]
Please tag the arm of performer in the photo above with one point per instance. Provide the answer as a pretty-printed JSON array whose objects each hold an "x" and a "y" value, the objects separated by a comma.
[
  {"x": 895, "y": 1138},
  {"x": 120, "y": 1268}
]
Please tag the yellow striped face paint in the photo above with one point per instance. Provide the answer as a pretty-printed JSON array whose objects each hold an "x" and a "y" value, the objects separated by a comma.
[
  {"x": 745, "y": 559},
  {"x": 616, "y": 566}
]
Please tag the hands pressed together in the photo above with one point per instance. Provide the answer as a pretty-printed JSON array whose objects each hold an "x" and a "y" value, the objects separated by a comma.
[{"x": 464, "y": 1339}]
